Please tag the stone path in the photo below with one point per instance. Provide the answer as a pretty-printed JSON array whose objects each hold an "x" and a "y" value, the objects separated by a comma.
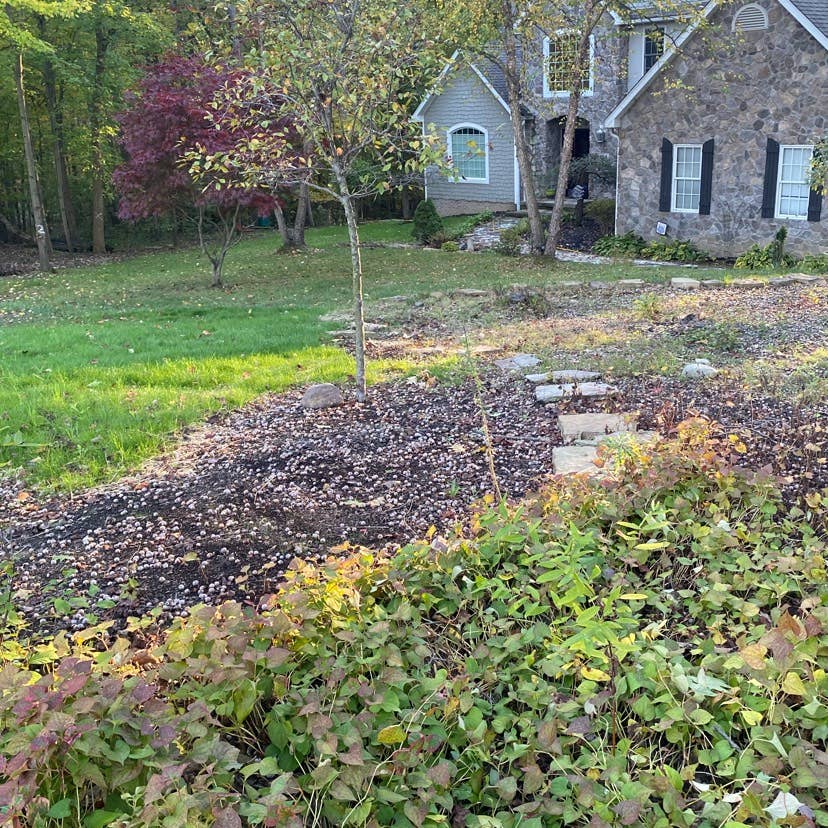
[{"x": 582, "y": 433}]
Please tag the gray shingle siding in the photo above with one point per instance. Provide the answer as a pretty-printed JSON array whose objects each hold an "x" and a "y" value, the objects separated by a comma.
[{"x": 466, "y": 100}]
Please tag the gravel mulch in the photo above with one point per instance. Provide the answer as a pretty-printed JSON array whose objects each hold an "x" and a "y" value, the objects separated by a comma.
[{"x": 224, "y": 515}]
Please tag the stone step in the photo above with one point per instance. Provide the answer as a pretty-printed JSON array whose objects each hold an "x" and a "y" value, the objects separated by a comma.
[
  {"x": 683, "y": 283},
  {"x": 567, "y": 375},
  {"x": 589, "y": 426},
  {"x": 574, "y": 459},
  {"x": 635, "y": 436},
  {"x": 553, "y": 393},
  {"x": 518, "y": 362}
]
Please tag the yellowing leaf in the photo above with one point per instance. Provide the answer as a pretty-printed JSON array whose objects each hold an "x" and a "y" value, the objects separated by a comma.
[
  {"x": 633, "y": 596},
  {"x": 751, "y": 717},
  {"x": 792, "y": 685},
  {"x": 754, "y": 655},
  {"x": 391, "y": 735},
  {"x": 593, "y": 674}
]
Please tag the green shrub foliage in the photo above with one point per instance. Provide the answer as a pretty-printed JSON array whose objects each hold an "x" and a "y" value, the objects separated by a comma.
[
  {"x": 630, "y": 244},
  {"x": 427, "y": 222},
  {"x": 815, "y": 264},
  {"x": 602, "y": 211},
  {"x": 650, "y": 650},
  {"x": 769, "y": 257}
]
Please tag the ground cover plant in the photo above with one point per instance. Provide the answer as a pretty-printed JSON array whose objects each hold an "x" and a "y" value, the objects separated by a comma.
[
  {"x": 103, "y": 366},
  {"x": 647, "y": 650}
]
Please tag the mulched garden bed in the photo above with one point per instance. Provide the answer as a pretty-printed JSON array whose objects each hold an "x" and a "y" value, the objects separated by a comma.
[{"x": 249, "y": 491}]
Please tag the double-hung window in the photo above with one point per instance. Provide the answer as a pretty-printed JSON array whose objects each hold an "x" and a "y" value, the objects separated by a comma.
[
  {"x": 653, "y": 47},
  {"x": 687, "y": 175},
  {"x": 563, "y": 64},
  {"x": 793, "y": 189},
  {"x": 468, "y": 146}
]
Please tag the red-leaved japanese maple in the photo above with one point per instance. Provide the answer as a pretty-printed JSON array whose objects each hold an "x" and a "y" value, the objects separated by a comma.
[{"x": 167, "y": 119}]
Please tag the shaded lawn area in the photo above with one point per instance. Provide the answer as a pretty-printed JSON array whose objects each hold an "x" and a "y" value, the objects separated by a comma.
[{"x": 102, "y": 366}]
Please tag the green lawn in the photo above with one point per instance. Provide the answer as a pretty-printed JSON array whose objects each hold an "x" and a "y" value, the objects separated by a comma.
[{"x": 102, "y": 366}]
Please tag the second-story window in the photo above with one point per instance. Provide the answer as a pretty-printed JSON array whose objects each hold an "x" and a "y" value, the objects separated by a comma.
[
  {"x": 653, "y": 47},
  {"x": 562, "y": 65}
]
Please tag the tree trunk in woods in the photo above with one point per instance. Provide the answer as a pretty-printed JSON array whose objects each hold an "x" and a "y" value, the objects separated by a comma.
[
  {"x": 347, "y": 201},
  {"x": 95, "y": 117},
  {"x": 406, "y": 203},
  {"x": 522, "y": 150},
  {"x": 281, "y": 224},
  {"x": 38, "y": 213},
  {"x": 309, "y": 222},
  {"x": 67, "y": 211}
]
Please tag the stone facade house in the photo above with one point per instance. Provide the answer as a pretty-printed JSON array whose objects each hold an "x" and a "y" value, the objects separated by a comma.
[
  {"x": 714, "y": 145},
  {"x": 469, "y": 106},
  {"x": 712, "y": 126}
]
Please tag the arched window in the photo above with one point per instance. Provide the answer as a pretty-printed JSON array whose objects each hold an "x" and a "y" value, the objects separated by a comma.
[
  {"x": 750, "y": 18},
  {"x": 468, "y": 145}
]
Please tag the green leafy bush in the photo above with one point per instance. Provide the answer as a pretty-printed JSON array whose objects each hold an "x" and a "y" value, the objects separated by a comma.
[
  {"x": 674, "y": 250},
  {"x": 471, "y": 223},
  {"x": 766, "y": 258},
  {"x": 427, "y": 222},
  {"x": 815, "y": 264},
  {"x": 450, "y": 246},
  {"x": 602, "y": 211},
  {"x": 630, "y": 244},
  {"x": 510, "y": 241},
  {"x": 649, "y": 650}
]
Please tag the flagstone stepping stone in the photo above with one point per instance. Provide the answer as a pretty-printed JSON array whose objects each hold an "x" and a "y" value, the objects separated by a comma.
[
  {"x": 780, "y": 281},
  {"x": 749, "y": 284},
  {"x": 597, "y": 285},
  {"x": 807, "y": 279},
  {"x": 712, "y": 283},
  {"x": 635, "y": 436},
  {"x": 570, "y": 284},
  {"x": 574, "y": 459},
  {"x": 588, "y": 426},
  {"x": 631, "y": 283},
  {"x": 567, "y": 375},
  {"x": 700, "y": 369},
  {"x": 683, "y": 283},
  {"x": 519, "y": 362},
  {"x": 472, "y": 292},
  {"x": 553, "y": 393}
]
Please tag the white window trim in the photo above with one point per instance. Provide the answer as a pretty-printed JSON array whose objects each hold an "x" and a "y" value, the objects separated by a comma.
[
  {"x": 644, "y": 34},
  {"x": 467, "y": 125},
  {"x": 674, "y": 208},
  {"x": 564, "y": 93},
  {"x": 777, "y": 212}
]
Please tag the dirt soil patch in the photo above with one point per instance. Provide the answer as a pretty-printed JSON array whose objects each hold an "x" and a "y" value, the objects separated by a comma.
[{"x": 224, "y": 515}]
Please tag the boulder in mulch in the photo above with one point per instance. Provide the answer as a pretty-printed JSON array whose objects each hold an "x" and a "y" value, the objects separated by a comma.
[
  {"x": 324, "y": 395},
  {"x": 700, "y": 369}
]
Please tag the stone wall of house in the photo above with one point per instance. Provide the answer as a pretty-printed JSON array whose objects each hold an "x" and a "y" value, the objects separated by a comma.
[
  {"x": 609, "y": 86},
  {"x": 739, "y": 90},
  {"x": 466, "y": 100}
]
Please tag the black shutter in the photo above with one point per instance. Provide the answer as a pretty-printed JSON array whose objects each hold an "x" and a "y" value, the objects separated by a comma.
[
  {"x": 665, "y": 197},
  {"x": 815, "y": 206},
  {"x": 771, "y": 174},
  {"x": 815, "y": 200},
  {"x": 706, "y": 192}
]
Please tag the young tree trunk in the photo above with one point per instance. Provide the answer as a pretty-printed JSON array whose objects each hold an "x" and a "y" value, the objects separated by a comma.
[
  {"x": 38, "y": 213},
  {"x": 95, "y": 118},
  {"x": 347, "y": 201},
  {"x": 405, "y": 197},
  {"x": 582, "y": 61},
  {"x": 301, "y": 216},
  {"x": 281, "y": 224},
  {"x": 67, "y": 211},
  {"x": 309, "y": 222},
  {"x": 522, "y": 149}
]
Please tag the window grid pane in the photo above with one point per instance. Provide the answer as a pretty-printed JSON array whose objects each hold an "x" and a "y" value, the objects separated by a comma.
[
  {"x": 468, "y": 152},
  {"x": 687, "y": 177},
  {"x": 563, "y": 54},
  {"x": 794, "y": 182},
  {"x": 653, "y": 48}
]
